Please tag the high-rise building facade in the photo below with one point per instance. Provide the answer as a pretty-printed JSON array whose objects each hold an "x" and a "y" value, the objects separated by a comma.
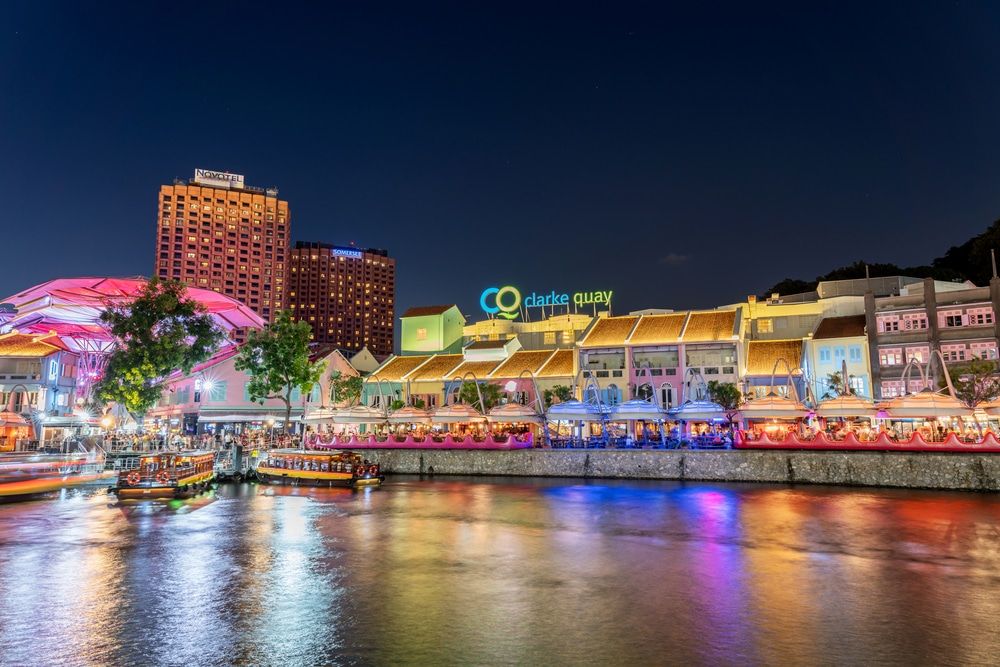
[
  {"x": 346, "y": 294},
  {"x": 216, "y": 232}
]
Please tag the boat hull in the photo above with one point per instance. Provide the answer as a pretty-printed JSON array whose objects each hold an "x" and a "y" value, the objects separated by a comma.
[
  {"x": 36, "y": 485},
  {"x": 285, "y": 477},
  {"x": 185, "y": 488}
]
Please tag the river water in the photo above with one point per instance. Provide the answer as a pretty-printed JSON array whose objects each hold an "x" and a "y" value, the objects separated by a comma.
[{"x": 538, "y": 572}]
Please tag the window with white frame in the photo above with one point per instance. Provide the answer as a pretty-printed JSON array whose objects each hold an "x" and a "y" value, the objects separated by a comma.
[
  {"x": 953, "y": 352},
  {"x": 983, "y": 350},
  {"x": 857, "y": 384},
  {"x": 839, "y": 353},
  {"x": 888, "y": 323},
  {"x": 950, "y": 318},
  {"x": 914, "y": 321},
  {"x": 855, "y": 353},
  {"x": 918, "y": 353},
  {"x": 824, "y": 355},
  {"x": 890, "y": 356},
  {"x": 892, "y": 388},
  {"x": 980, "y": 316}
]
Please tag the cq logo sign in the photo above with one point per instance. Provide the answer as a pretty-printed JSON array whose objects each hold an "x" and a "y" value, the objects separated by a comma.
[{"x": 505, "y": 301}]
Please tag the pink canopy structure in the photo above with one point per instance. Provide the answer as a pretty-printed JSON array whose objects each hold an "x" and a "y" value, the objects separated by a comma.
[{"x": 71, "y": 308}]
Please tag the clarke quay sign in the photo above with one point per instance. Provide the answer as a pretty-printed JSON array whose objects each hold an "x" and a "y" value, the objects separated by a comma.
[
  {"x": 506, "y": 301},
  {"x": 218, "y": 179}
]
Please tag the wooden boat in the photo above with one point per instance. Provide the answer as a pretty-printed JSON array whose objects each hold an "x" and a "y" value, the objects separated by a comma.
[
  {"x": 299, "y": 467},
  {"x": 31, "y": 474},
  {"x": 169, "y": 474}
]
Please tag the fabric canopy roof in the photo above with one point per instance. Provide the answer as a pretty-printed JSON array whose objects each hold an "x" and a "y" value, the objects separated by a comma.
[{"x": 72, "y": 307}]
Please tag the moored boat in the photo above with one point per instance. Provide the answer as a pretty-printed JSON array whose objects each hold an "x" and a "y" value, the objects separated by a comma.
[
  {"x": 31, "y": 474},
  {"x": 298, "y": 467},
  {"x": 169, "y": 474}
]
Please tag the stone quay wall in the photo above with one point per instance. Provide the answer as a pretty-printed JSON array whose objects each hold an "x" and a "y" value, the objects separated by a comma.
[{"x": 967, "y": 472}]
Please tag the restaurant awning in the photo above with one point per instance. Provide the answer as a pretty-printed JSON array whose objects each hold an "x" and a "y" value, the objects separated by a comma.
[
  {"x": 459, "y": 413},
  {"x": 514, "y": 413},
  {"x": 773, "y": 406},
  {"x": 845, "y": 406},
  {"x": 574, "y": 410},
  {"x": 638, "y": 408},
  {"x": 925, "y": 404},
  {"x": 409, "y": 415},
  {"x": 698, "y": 411}
]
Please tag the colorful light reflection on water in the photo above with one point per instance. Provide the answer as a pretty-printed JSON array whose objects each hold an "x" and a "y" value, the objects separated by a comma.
[{"x": 501, "y": 571}]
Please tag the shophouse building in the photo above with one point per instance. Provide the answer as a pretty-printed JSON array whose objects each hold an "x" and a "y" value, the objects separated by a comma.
[{"x": 957, "y": 319}]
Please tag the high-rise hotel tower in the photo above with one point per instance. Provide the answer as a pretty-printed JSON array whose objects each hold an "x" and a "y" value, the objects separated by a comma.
[{"x": 216, "y": 232}]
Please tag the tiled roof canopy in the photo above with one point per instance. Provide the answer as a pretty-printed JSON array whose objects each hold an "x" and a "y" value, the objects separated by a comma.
[
  {"x": 20, "y": 345},
  {"x": 560, "y": 365},
  {"x": 478, "y": 368},
  {"x": 438, "y": 367},
  {"x": 398, "y": 367},
  {"x": 610, "y": 331},
  {"x": 655, "y": 329},
  {"x": 762, "y": 355},
  {"x": 710, "y": 326},
  {"x": 520, "y": 361}
]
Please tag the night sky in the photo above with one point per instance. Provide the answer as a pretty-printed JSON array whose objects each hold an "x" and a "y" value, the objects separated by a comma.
[{"x": 682, "y": 157}]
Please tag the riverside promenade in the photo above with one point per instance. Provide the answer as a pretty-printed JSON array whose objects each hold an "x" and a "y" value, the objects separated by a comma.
[{"x": 966, "y": 472}]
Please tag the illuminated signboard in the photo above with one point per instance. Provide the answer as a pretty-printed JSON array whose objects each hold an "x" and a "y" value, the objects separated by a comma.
[
  {"x": 347, "y": 252},
  {"x": 218, "y": 179},
  {"x": 506, "y": 301}
]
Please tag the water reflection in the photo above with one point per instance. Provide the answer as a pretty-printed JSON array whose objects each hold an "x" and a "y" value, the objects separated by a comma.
[{"x": 485, "y": 572}]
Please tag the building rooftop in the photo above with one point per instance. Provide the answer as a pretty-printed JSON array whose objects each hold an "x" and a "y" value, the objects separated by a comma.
[
  {"x": 840, "y": 327},
  {"x": 521, "y": 361},
  {"x": 439, "y": 366},
  {"x": 421, "y": 311},
  {"x": 399, "y": 367},
  {"x": 561, "y": 364},
  {"x": 488, "y": 344},
  {"x": 710, "y": 326},
  {"x": 763, "y": 354},
  {"x": 656, "y": 329},
  {"x": 610, "y": 331},
  {"x": 16, "y": 344},
  {"x": 481, "y": 369}
]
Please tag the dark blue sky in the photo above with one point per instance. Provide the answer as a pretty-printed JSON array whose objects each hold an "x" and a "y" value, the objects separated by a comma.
[{"x": 681, "y": 156}]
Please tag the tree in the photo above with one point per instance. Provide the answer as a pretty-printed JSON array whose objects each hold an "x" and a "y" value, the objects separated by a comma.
[
  {"x": 839, "y": 385},
  {"x": 345, "y": 388},
  {"x": 559, "y": 391},
  {"x": 727, "y": 395},
  {"x": 975, "y": 381},
  {"x": 158, "y": 332},
  {"x": 277, "y": 360},
  {"x": 491, "y": 395}
]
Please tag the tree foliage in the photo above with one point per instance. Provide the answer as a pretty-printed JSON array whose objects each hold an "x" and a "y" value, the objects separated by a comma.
[
  {"x": 158, "y": 332},
  {"x": 277, "y": 360},
  {"x": 345, "y": 388},
  {"x": 839, "y": 385},
  {"x": 491, "y": 395},
  {"x": 727, "y": 395},
  {"x": 975, "y": 381},
  {"x": 968, "y": 261},
  {"x": 560, "y": 392}
]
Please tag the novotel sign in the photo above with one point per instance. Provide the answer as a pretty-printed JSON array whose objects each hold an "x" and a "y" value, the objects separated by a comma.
[
  {"x": 506, "y": 301},
  {"x": 220, "y": 179}
]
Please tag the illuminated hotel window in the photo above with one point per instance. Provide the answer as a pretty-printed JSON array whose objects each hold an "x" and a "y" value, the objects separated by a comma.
[{"x": 765, "y": 325}]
